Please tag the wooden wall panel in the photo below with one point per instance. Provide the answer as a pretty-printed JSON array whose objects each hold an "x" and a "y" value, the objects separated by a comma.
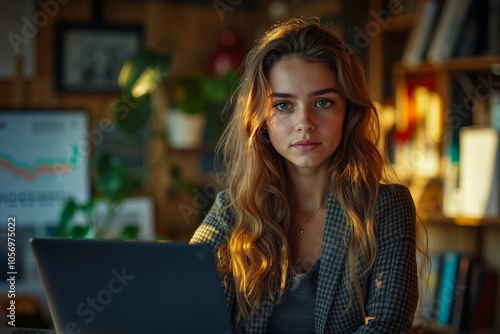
[{"x": 188, "y": 32}]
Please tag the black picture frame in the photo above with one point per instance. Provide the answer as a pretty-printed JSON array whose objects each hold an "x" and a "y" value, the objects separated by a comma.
[{"x": 88, "y": 57}]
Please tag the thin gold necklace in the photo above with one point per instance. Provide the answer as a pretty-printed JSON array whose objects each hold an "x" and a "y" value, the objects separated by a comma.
[{"x": 308, "y": 219}]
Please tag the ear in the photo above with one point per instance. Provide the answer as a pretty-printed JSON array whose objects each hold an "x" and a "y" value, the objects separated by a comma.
[{"x": 264, "y": 125}]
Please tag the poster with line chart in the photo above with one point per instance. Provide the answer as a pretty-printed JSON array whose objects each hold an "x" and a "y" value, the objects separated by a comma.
[{"x": 44, "y": 159}]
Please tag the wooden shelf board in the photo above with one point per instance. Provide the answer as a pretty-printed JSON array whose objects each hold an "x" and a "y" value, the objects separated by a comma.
[
  {"x": 482, "y": 63},
  {"x": 439, "y": 218}
]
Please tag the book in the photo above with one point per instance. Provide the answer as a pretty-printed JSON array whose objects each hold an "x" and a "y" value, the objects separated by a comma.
[
  {"x": 448, "y": 284},
  {"x": 457, "y": 116},
  {"x": 480, "y": 172},
  {"x": 461, "y": 294},
  {"x": 474, "y": 31},
  {"x": 448, "y": 29},
  {"x": 428, "y": 131},
  {"x": 421, "y": 33},
  {"x": 418, "y": 114},
  {"x": 494, "y": 27},
  {"x": 431, "y": 300},
  {"x": 482, "y": 298},
  {"x": 494, "y": 105}
]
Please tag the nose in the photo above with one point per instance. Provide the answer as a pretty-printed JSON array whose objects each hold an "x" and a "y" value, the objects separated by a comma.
[{"x": 305, "y": 122}]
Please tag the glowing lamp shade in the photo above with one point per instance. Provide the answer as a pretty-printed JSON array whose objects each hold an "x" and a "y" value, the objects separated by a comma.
[{"x": 143, "y": 72}]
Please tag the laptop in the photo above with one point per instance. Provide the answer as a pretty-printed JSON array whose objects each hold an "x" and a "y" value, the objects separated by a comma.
[{"x": 131, "y": 287}]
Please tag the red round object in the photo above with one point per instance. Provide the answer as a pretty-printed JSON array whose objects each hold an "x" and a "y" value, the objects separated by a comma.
[{"x": 229, "y": 54}]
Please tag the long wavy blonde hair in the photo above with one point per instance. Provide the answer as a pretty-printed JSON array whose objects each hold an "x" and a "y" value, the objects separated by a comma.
[{"x": 259, "y": 250}]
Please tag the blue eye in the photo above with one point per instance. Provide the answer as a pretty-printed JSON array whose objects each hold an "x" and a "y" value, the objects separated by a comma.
[
  {"x": 323, "y": 103},
  {"x": 283, "y": 106}
]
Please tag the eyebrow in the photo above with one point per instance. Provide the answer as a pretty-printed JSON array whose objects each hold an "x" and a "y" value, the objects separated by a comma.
[{"x": 316, "y": 93}]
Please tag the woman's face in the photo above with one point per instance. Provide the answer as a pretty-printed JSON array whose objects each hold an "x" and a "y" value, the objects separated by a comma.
[{"x": 307, "y": 116}]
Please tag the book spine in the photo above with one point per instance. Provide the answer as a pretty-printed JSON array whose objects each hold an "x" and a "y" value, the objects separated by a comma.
[
  {"x": 447, "y": 33},
  {"x": 448, "y": 282},
  {"x": 461, "y": 289}
]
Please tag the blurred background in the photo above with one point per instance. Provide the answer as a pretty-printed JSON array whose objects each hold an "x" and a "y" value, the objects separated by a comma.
[{"x": 110, "y": 111}]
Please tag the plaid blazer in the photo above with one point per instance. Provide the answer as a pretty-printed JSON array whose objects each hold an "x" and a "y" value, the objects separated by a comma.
[{"x": 390, "y": 290}]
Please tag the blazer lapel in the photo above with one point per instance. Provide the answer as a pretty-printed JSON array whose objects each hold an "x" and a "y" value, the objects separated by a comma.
[{"x": 333, "y": 257}]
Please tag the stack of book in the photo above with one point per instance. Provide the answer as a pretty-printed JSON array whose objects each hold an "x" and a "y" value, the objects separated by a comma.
[
  {"x": 461, "y": 294},
  {"x": 446, "y": 29}
]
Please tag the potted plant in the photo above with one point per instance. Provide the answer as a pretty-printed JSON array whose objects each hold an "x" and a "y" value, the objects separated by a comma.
[
  {"x": 198, "y": 99},
  {"x": 113, "y": 183}
]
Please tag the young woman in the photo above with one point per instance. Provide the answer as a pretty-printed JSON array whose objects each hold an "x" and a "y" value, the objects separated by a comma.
[{"x": 308, "y": 238}]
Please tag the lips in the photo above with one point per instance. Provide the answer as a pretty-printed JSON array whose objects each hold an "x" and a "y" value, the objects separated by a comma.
[{"x": 306, "y": 145}]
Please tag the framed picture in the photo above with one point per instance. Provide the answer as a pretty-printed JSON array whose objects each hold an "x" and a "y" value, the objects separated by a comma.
[{"x": 88, "y": 58}]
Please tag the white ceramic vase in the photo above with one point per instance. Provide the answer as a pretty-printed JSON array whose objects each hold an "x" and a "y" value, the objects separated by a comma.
[{"x": 185, "y": 131}]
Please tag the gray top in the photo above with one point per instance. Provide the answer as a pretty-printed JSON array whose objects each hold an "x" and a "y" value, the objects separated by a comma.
[{"x": 295, "y": 313}]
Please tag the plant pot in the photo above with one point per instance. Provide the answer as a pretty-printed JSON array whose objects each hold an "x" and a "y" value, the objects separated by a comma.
[{"x": 185, "y": 131}]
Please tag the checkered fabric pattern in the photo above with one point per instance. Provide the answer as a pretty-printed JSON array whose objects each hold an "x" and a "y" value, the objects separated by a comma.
[{"x": 390, "y": 291}]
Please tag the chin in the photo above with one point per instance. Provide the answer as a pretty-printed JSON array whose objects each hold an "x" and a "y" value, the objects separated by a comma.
[{"x": 308, "y": 164}]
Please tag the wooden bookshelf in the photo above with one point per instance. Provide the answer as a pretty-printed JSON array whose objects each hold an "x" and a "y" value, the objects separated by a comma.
[
  {"x": 400, "y": 22},
  {"x": 439, "y": 218},
  {"x": 480, "y": 63},
  {"x": 478, "y": 237}
]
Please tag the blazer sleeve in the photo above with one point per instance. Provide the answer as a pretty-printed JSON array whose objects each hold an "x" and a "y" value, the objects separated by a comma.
[
  {"x": 393, "y": 286},
  {"x": 215, "y": 225}
]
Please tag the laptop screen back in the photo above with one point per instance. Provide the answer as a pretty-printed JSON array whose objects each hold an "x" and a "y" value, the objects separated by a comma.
[{"x": 111, "y": 286}]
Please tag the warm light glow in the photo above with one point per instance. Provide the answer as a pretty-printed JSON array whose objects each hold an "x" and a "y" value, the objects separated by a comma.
[
  {"x": 146, "y": 83},
  {"x": 467, "y": 221},
  {"x": 124, "y": 73},
  {"x": 434, "y": 126}
]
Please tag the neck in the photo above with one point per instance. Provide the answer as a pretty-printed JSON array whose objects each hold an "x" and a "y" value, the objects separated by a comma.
[{"x": 311, "y": 188}]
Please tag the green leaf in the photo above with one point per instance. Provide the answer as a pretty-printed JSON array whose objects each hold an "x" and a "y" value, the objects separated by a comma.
[
  {"x": 111, "y": 174},
  {"x": 67, "y": 214},
  {"x": 130, "y": 232},
  {"x": 231, "y": 79},
  {"x": 193, "y": 104},
  {"x": 176, "y": 175},
  {"x": 80, "y": 231},
  {"x": 88, "y": 208},
  {"x": 188, "y": 95},
  {"x": 180, "y": 183},
  {"x": 215, "y": 90},
  {"x": 132, "y": 183},
  {"x": 144, "y": 63},
  {"x": 118, "y": 198},
  {"x": 132, "y": 114}
]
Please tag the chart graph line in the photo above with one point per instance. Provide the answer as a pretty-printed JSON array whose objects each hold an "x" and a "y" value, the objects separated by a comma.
[{"x": 42, "y": 166}]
